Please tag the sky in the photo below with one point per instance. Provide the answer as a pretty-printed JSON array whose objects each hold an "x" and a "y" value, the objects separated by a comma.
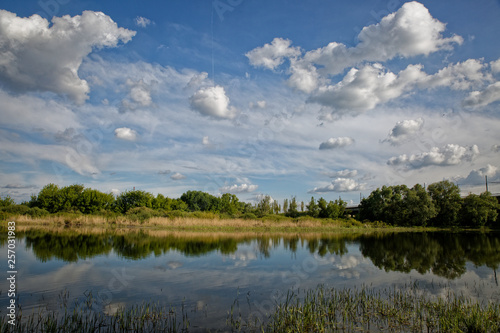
[{"x": 289, "y": 98}]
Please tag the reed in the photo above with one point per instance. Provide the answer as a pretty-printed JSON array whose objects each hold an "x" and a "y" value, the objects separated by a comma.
[
  {"x": 366, "y": 310},
  {"x": 407, "y": 309}
]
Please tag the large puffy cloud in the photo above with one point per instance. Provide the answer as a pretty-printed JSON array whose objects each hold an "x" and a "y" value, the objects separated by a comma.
[
  {"x": 334, "y": 143},
  {"x": 37, "y": 57},
  {"x": 459, "y": 76},
  {"x": 450, "y": 154},
  {"x": 477, "y": 177},
  {"x": 272, "y": 55},
  {"x": 408, "y": 32},
  {"x": 235, "y": 189},
  {"x": 212, "y": 101},
  {"x": 365, "y": 88},
  {"x": 482, "y": 98},
  {"x": 404, "y": 130},
  {"x": 340, "y": 185},
  {"x": 495, "y": 66}
]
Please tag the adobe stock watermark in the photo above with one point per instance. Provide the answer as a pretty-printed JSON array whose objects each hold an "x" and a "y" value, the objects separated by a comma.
[
  {"x": 51, "y": 8},
  {"x": 118, "y": 283},
  {"x": 295, "y": 276},
  {"x": 221, "y": 7}
]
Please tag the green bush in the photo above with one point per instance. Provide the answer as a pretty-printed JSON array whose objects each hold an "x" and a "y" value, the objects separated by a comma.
[
  {"x": 16, "y": 209},
  {"x": 176, "y": 214},
  {"x": 249, "y": 216},
  {"x": 141, "y": 213},
  {"x": 37, "y": 212}
]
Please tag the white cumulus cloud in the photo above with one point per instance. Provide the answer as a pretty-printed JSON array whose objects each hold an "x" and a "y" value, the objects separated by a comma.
[
  {"x": 340, "y": 185},
  {"x": 404, "y": 130},
  {"x": 212, "y": 101},
  {"x": 334, "y": 143},
  {"x": 126, "y": 133},
  {"x": 408, "y": 32},
  {"x": 363, "y": 89},
  {"x": 139, "y": 96},
  {"x": 272, "y": 55},
  {"x": 242, "y": 188},
  {"x": 177, "y": 176},
  {"x": 450, "y": 154},
  {"x": 476, "y": 177},
  {"x": 482, "y": 98},
  {"x": 37, "y": 56}
]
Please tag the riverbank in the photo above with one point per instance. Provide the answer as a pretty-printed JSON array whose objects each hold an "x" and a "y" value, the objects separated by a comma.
[{"x": 213, "y": 223}]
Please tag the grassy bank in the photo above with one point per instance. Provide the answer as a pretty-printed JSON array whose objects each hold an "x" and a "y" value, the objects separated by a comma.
[
  {"x": 209, "y": 222},
  {"x": 317, "y": 310}
]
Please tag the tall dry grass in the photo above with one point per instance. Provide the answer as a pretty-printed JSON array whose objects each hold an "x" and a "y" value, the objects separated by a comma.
[{"x": 195, "y": 223}]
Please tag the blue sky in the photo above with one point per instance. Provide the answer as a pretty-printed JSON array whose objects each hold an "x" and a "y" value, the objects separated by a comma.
[{"x": 279, "y": 98}]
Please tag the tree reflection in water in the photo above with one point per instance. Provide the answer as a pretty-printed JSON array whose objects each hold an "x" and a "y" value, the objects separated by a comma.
[{"x": 443, "y": 253}]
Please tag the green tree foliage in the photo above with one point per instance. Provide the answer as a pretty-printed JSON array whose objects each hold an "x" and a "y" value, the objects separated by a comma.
[
  {"x": 200, "y": 201},
  {"x": 229, "y": 204},
  {"x": 399, "y": 205},
  {"x": 293, "y": 209},
  {"x": 312, "y": 208},
  {"x": 276, "y": 207},
  {"x": 92, "y": 201},
  {"x": 69, "y": 196},
  {"x": 132, "y": 199},
  {"x": 447, "y": 200},
  {"x": 7, "y": 201},
  {"x": 48, "y": 198},
  {"x": 478, "y": 210},
  {"x": 264, "y": 207},
  {"x": 419, "y": 206}
]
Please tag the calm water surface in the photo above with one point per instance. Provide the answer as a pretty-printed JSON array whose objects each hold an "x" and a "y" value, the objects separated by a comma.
[{"x": 206, "y": 273}]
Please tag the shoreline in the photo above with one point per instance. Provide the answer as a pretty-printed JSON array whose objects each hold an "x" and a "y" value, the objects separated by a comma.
[{"x": 217, "y": 224}]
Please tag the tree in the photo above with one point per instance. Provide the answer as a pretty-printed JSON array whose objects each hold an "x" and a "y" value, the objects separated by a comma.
[
  {"x": 69, "y": 197},
  {"x": 264, "y": 206},
  {"x": 398, "y": 205},
  {"x": 292, "y": 210},
  {"x": 200, "y": 201},
  {"x": 285, "y": 206},
  {"x": 133, "y": 199},
  {"x": 312, "y": 208},
  {"x": 478, "y": 210},
  {"x": 230, "y": 204},
  {"x": 447, "y": 201},
  {"x": 374, "y": 207},
  {"x": 419, "y": 208},
  {"x": 276, "y": 207},
  {"x": 48, "y": 198},
  {"x": 7, "y": 201},
  {"x": 91, "y": 201},
  {"x": 322, "y": 207}
]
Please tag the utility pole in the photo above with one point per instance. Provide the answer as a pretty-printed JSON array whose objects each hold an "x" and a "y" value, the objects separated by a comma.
[{"x": 486, "y": 180}]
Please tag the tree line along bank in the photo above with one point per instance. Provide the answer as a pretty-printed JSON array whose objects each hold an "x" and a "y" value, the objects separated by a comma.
[{"x": 440, "y": 205}]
